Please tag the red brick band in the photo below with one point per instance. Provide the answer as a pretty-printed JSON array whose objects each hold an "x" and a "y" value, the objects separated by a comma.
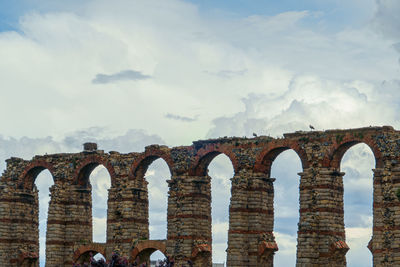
[
  {"x": 330, "y": 233},
  {"x": 60, "y": 222},
  {"x": 15, "y": 240},
  {"x": 259, "y": 189},
  {"x": 322, "y": 186},
  {"x": 247, "y": 232},
  {"x": 390, "y": 181},
  {"x": 194, "y": 195},
  {"x": 387, "y": 250},
  {"x": 386, "y": 228},
  {"x": 128, "y": 199},
  {"x": 325, "y": 254},
  {"x": 185, "y": 237},
  {"x": 386, "y": 204},
  {"x": 252, "y": 210},
  {"x": 191, "y": 216},
  {"x": 59, "y": 243},
  {"x": 129, "y": 219},
  {"x": 7, "y": 220},
  {"x": 17, "y": 200},
  {"x": 253, "y": 189},
  {"x": 76, "y": 203},
  {"x": 126, "y": 240},
  {"x": 332, "y": 210}
]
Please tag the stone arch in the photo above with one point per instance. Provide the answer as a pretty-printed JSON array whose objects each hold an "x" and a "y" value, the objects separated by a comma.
[
  {"x": 87, "y": 165},
  {"x": 334, "y": 160},
  {"x": 337, "y": 151},
  {"x": 33, "y": 169},
  {"x": 206, "y": 155},
  {"x": 142, "y": 163},
  {"x": 86, "y": 249},
  {"x": 146, "y": 248},
  {"x": 267, "y": 156}
]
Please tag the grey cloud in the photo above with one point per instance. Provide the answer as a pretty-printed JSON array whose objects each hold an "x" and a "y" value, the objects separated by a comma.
[
  {"x": 387, "y": 19},
  {"x": 180, "y": 118},
  {"x": 125, "y": 75}
]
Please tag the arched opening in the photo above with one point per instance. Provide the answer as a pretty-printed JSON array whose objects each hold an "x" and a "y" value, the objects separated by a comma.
[
  {"x": 221, "y": 171},
  {"x": 144, "y": 250},
  {"x": 286, "y": 165},
  {"x": 157, "y": 175},
  {"x": 84, "y": 253},
  {"x": 357, "y": 164},
  {"x": 85, "y": 257},
  {"x": 100, "y": 182},
  {"x": 151, "y": 256},
  {"x": 99, "y": 257},
  {"x": 43, "y": 182}
]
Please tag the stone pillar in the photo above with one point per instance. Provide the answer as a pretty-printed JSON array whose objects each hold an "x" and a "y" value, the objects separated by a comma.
[
  {"x": 385, "y": 242},
  {"x": 127, "y": 217},
  {"x": 260, "y": 215},
  {"x": 23, "y": 232},
  {"x": 189, "y": 220},
  {"x": 238, "y": 245},
  {"x": 55, "y": 234},
  {"x": 321, "y": 236},
  {"x": 251, "y": 221},
  {"x": 77, "y": 220}
]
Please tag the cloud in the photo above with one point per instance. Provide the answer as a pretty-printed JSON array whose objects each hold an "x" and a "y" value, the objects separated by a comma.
[
  {"x": 386, "y": 20},
  {"x": 180, "y": 118},
  {"x": 227, "y": 74},
  {"x": 258, "y": 54},
  {"x": 310, "y": 100},
  {"x": 125, "y": 75},
  {"x": 286, "y": 255}
]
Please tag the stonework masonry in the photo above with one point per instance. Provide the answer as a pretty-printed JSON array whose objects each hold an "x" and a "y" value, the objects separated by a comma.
[{"x": 321, "y": 239}]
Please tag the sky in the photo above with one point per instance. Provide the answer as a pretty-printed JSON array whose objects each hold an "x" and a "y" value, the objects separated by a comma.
[{"x": 127, "y": 74}]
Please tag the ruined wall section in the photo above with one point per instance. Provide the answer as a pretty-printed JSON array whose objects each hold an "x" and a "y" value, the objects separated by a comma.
[
  {"x": 69, "y": 224},
  {"x": 251, "y": 242},
  {"x": 19, "y": 216},
  {"x": 321, "y": 236}
]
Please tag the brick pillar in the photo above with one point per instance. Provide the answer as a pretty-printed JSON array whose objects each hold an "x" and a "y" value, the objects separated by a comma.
[
  {"x": 77, "y": 219},
  {"x": 238, "y": 246},
  {"x": 189, "y": 220},
  {"x": 55, "y": 235},
  {"x": 127, "y": 217},
  {"x": 21, "y": 222},
  {"x": 260, "y": 215},
  {"x": 385, "y": 243},
  {"x": 5, "y": 222},
  {"x": 321, "y": 236}
]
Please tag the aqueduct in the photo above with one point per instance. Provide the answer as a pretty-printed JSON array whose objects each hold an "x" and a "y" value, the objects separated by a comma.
[{"x": 321, "y": 237}]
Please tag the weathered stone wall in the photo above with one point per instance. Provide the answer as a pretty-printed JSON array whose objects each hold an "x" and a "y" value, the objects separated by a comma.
[{"x": 321, "y": 236}]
